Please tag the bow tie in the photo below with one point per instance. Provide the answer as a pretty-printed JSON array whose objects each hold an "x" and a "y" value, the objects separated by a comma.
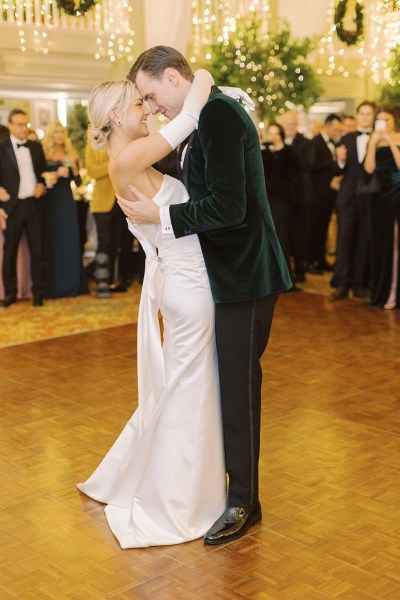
[
  {"x": 23, "y": 144},
  {"x": 359, "y": 132}
]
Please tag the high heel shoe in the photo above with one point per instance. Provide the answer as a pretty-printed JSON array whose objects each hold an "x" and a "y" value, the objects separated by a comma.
[{"x": 390, "y": 305}]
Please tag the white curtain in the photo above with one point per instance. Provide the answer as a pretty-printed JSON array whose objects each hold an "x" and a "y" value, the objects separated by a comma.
[
  {"x": 167, "y": 23},
  {"x": 306, "y": 17}
]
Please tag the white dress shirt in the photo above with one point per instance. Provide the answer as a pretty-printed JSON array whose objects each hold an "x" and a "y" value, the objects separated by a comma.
[
  {"x": 362, "y": 142},
  {"x": 27, "y": 175},
  {"x": 330, "y": 144},
  {"x": 165, "y": 219}
]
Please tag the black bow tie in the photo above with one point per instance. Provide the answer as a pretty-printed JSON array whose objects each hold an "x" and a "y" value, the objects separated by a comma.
[
  {"x": 19, "y": 145},
  {"x": 363, "y": 132}
]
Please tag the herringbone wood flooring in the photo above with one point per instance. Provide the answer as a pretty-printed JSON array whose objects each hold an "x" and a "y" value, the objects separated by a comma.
[{"x": 330, "y": 468}]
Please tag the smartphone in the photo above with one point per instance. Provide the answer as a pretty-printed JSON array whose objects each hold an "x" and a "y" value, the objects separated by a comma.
[{"x": 380, "y": 125}]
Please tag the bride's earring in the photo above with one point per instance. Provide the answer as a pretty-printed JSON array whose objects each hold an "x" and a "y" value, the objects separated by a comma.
[{"x": 118, "y": 122}]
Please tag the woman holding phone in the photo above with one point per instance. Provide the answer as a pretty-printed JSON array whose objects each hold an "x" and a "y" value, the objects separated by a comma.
[{"x": 383, "y": 158}]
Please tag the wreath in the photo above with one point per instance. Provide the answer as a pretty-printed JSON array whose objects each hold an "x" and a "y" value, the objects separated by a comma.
[
  {"x": 349, "y": 37},
  {"x": 75, "y": 9}
]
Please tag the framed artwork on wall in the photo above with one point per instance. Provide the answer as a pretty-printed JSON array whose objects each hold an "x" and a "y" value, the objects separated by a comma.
[{"x": 44, "y": 111}]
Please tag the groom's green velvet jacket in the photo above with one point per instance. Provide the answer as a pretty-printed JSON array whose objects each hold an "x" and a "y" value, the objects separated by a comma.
[{"x": 228, "y": 206}]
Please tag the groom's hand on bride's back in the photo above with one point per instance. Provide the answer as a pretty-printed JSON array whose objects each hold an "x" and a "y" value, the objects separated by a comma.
[{"x": 142, "y": 210}]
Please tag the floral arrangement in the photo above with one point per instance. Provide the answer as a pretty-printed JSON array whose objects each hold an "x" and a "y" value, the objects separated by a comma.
[
  {"x": 75, "y": 9},
  {"x": 350, "y": 38},
  {"x": 84, "y": 191}
]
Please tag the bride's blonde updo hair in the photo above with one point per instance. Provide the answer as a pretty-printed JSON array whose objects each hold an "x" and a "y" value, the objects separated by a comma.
[{"x": 103, "y": 98}]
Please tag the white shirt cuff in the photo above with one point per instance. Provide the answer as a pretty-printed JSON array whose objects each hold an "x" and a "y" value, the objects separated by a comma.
[
  {"x": 165, "y": 220},
  {"x": 341, "y": 164}
]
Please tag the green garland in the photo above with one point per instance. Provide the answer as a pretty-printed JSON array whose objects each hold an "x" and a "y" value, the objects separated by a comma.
[
  {"x": 75, "y": 9},
  {"x": 351, "y": 38}
]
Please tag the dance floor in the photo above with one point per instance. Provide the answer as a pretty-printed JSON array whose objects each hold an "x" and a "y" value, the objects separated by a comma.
[{"x": 330, "y": 467}]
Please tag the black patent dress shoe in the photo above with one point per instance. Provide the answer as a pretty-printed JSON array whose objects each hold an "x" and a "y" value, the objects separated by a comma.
[
  {"x": 37, "y": 301},
  {"x": 233, "y": 524},
  {"x": 8, "y": 300}
]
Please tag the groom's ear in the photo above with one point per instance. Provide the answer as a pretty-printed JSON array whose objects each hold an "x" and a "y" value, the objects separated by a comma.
[{"x": 172, "y": 76}]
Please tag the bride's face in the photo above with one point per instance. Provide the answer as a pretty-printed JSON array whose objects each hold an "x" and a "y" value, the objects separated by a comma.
[
  {"x": 136, "y": 117},
  {"x": 162, "y": 96}
]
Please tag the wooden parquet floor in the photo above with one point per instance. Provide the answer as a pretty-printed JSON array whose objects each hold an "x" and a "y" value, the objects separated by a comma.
[{"x": 330, "y": 468}]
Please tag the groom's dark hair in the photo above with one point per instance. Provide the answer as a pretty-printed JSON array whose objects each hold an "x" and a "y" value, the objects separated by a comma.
[{"x": 154, "y": 61}]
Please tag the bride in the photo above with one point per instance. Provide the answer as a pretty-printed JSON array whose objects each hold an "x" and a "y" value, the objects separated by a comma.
[{"x": 164, "y": 479}]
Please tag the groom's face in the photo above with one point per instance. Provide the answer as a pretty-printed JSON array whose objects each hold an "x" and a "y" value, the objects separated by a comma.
[{"x": 162, "y": 96}]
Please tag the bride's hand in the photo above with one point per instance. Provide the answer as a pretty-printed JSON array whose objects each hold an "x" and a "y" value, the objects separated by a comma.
[{"x": 238, "y": 94}]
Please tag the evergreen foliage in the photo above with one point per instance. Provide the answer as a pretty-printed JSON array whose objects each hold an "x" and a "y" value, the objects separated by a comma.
[
  {"x": 272, "y": 69},
  {"x": 390, "y": 92},
  {"x": 77, "y": 124}
]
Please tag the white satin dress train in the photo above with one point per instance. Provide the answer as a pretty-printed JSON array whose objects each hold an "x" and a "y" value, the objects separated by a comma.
[{"x": 164, "y": 478}]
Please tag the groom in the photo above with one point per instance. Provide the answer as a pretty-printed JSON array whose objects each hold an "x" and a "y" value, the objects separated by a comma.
[{"x": 228, "y": 208}]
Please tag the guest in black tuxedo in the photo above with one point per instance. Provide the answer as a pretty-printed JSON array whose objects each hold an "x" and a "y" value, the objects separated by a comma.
[
  {"x": 322, "y": 172},
  {"x": 349, "y": 124},
  {"x": 22, "y": 186},
  {"x": 4, "y": 135},
  {"x": 280, "y": 168},
  {"x": 302, "y": 199},
  {"x": 351, "y": 269}
]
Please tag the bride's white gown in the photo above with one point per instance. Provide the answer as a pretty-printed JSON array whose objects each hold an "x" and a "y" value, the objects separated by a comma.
[{"x": 164, "y": 478}]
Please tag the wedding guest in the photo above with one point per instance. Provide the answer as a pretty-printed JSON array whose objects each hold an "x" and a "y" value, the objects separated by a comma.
[
  {"x": 24, "y": 280},
  {"x": 22, "y": 187},
  {"x": 316, "y": 127},
  {"x": 64, "y": 266},
  {"x": 113, "y": 237},
  {"x": 4, "y": 133},
  {"x": 349, "y": 124},
  {"x": 383, "y": 158},
  {"x": 280, "y": 169},
  {"x": 352, "y": 263},
  {"x": 302, "y": 200},
  {"x": 324, "y": 191}
]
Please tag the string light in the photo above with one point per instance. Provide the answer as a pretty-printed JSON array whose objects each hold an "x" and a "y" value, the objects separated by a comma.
[
  {"x": 373, "y": 52},
  {"x": 216, "y": 20},
  {"x": 35, "y": 20},
  {"x": 115, "y": 34}
]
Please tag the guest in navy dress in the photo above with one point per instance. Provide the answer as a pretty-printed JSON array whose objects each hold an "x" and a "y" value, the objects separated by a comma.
[
  {"x": 64, "y": 266},
  {"x": 383, "y": 158}
]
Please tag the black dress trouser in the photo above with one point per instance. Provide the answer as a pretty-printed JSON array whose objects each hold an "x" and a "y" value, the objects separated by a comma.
[
  {"x": 27, "y": 215},
  {"x": 352, "y": 263},
  {"x": 114, "y": 239},
  {"x": 242, "y": 331}
]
